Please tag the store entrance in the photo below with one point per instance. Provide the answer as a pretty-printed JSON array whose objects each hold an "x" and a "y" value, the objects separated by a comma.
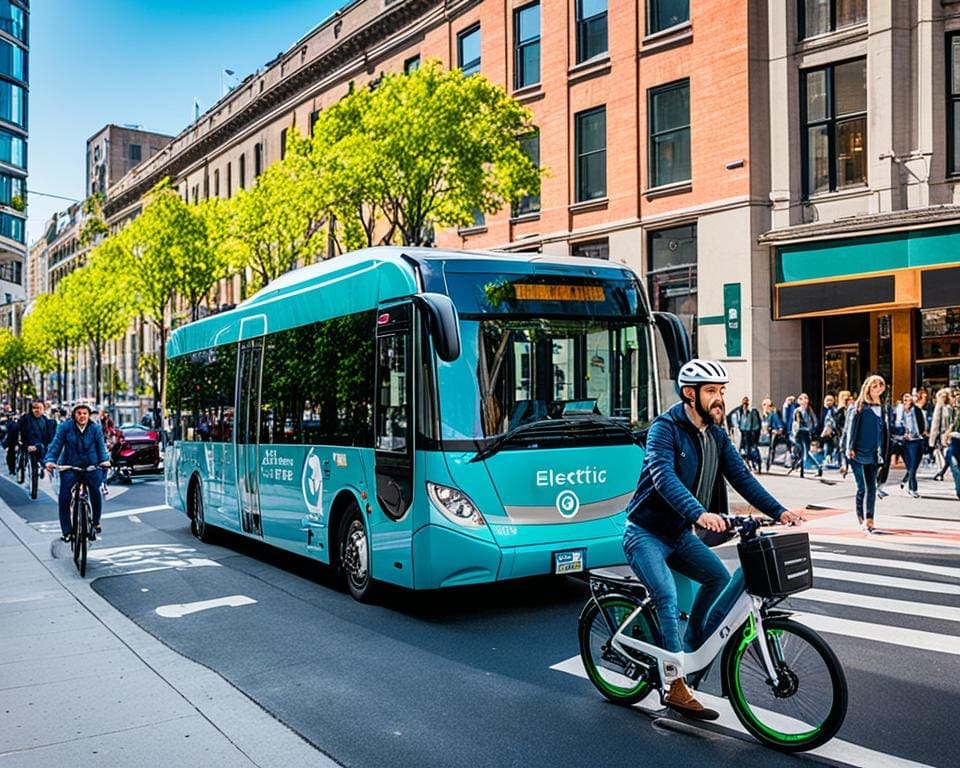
[{"x": 841, "y": 368}]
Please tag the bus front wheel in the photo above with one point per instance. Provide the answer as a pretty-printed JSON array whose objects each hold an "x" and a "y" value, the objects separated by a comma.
[{"x": 355, "y": 555}]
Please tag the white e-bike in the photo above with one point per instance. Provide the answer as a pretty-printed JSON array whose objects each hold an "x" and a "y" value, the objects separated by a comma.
[{"x": 784, "y": 682}]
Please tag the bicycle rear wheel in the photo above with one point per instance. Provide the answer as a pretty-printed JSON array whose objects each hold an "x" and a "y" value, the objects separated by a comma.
[
  {"x": 606, "y": 667},
  {"x": 75, "y": 528},
  {"x": 808, "y": 705},
  {"x": 83, "y": 536}
]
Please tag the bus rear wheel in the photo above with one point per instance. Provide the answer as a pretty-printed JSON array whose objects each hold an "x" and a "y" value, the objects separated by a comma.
[{"x": 355, "y": 555}]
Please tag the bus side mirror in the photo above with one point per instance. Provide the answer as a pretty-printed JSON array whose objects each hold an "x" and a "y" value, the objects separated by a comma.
[
  {"x": 443, "y": 324},
  {"x": 676, "y": 340}
]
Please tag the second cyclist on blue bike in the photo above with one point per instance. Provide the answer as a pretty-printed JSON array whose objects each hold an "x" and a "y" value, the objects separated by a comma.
[{"x": 689, "y": 456}]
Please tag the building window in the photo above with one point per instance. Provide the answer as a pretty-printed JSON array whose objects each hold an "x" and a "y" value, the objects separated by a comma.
[
  {"x": 529, "y": 203},
  {"x": 669, "y": 111},
  {"x": 257, "y": 159},
  {"x": 13, "y": 20},
  {"x": 11, "y": 227},
  {"x": 135, "y": 153},
  {"x": 12, "y": 191},
  {"x": 314, "y": 116},
  {"x": 672, "y": 274},
  {"x": 13, "y": 149},
  {"x": 593, "y": 249},
  {"x": 526, "y": 35},
  {"x": 590, "y": 135},
  {"x": 13, "y": 60},
  {"x": 663, "y": 14},
  {"x": 229, "y": 180},
  {"x": 216, "y": 182},
  {"x": 591, "y": 29},
  {"x": 835, "y": 121},
  {"x": 468, "y": 50},
  {"x": 283, "y": 143},
  {"x": 242, "y": 171},
  {"x": 818, "y": 17},
  {"x": 411, "y": 65},
  {"x": 12, "y": 104},
  {"x": 953, "y": 104}
]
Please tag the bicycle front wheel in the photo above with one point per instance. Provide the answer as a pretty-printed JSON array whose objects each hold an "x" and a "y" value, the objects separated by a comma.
[
  {"x": 83, "y": 537},
  {"x": 807, "y": 706},
  {"x": 34, "y": 478},
  {"x": 606, "y": 667}
]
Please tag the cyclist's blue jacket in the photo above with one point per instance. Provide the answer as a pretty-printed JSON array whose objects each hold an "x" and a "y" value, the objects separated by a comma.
[
  {"x": 664, "y": 501},
  {"x": 76, "y": 448}
]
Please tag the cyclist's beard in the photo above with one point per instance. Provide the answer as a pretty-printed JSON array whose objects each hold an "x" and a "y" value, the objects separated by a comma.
[{"x": 706, "y": 413}]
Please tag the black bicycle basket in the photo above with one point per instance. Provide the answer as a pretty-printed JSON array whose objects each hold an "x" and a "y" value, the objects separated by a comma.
[{"x": 776, "y": 564}]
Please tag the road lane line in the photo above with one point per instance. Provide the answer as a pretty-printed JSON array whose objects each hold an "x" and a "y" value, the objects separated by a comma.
[
  {"x": 939, "y": 570},
  {"x": 836, "y": 750},
  {"x": 179, "y": 610},
  {"x": 877, "y": 580},
  {"x": 118, "y": 513},
  {"x": 908, "y": 607}
]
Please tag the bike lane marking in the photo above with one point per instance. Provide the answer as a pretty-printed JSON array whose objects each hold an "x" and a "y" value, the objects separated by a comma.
[
  {"x": 836, "y": 750},
  {"x": 179, "y": 610},
  {"x": 118, "y": 513}
]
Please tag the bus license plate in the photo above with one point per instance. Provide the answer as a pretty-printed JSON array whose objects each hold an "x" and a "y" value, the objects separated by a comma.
[{"x": 569, "y": 561}]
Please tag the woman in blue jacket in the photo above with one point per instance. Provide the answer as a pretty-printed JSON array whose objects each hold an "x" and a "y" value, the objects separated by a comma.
[
  {"x": 867, "y": 435},
  {"x": 78, "y": 442}
]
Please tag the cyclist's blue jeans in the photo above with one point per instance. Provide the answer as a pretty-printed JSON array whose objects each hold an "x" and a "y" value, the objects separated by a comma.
[
  {"x": 652, "y": 557},
  {"x": 866, "y": 477},
  {"x": 67, "y": 480}
]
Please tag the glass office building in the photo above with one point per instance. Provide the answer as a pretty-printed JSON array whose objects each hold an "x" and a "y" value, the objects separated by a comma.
[{"x": 14, "y": 79}]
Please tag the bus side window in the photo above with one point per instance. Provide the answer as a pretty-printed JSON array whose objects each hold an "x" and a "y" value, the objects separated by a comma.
[{"x": 392, "y": 429}]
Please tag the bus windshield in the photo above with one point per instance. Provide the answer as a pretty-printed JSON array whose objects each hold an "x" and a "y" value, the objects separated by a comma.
[{"x": 520, "y": 369}]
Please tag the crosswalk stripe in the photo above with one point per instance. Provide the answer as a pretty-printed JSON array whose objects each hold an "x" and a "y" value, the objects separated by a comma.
[
  {"x": 882, "y": 633},
  {"x": 880, "y": 562},
  {"x": 836, "y": 750},
  {"x": 908, "y": 607},
  {"x": 873, "y": 579}
]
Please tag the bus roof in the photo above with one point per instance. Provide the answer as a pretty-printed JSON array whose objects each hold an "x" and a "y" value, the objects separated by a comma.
[{"x": 363, "y": 279}]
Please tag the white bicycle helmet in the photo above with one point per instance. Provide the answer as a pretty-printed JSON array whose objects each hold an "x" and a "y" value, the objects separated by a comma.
[{"x": 698, "y": 372}]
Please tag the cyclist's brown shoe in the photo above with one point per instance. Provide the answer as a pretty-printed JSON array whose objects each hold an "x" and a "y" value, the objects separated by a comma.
[{"x": 680, "y": 699}]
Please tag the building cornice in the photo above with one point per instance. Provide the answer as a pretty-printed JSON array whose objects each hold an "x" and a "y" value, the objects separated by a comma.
[
  {"x": 353, "y": 48},
  {"x": 863, "y": 226}
]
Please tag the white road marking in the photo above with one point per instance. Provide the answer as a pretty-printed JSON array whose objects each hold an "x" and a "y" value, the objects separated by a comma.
[
  {"x": 179, "y": 610},
  {"x": 118, "y": 513},
  {"x": 902, "y": 565},
  {"x": 908, "y": 607},
  {"x": 882, "y": 633},
  {"x": 836, "y": 750},
  {"x": 874, "y": 579}
]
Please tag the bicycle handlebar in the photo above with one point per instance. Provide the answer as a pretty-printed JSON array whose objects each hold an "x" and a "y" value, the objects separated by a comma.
[
  {"x": 65, "y": 467},
  {"x": 747, "y": 525}
]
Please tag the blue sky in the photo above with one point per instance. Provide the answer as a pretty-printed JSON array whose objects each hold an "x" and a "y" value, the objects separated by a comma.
[{"x": 94, "y": 62}]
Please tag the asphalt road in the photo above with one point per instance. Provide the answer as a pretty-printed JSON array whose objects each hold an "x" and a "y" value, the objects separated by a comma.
[{"x": 488, "y": 676}]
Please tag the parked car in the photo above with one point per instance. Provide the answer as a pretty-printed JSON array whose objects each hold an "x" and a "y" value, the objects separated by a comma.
[{"x": 136, "y": 452}]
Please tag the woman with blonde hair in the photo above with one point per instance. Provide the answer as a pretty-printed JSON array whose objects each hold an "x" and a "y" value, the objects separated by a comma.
[
  {"x": 867, "y": 435},
  {"x": 940, "y": 430}
]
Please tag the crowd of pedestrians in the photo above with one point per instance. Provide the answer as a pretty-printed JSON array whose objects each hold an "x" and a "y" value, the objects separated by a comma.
[{"x": 862, "y": 434}]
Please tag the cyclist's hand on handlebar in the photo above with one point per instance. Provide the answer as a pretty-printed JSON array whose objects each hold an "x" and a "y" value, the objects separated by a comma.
[
  {"x": 792, "y": 517},
  {"x": 104, "y": 463},
  {"x": 50, "y": 466},
  {"x": 712, "y": 522}
]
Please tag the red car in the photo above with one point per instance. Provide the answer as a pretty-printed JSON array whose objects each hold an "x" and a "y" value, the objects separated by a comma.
[{"x": 136, "y": 452}]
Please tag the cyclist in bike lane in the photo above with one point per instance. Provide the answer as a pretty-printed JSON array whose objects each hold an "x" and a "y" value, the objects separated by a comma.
[
  {"x": 78, "y": 442},
  {"x": 689, "y": 455},
  {"x": 34, "y": 433}
]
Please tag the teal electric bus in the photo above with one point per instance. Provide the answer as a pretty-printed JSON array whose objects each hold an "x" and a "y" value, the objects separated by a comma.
[{"x": 421, "y": 417}]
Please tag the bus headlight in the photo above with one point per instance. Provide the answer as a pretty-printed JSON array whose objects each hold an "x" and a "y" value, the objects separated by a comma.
[{"x": 455, "y": 505}]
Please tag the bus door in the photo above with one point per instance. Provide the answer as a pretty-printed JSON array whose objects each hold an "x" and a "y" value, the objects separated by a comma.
[
  {"x": 248, "y": 433},
  {"x": 393, "y": 422}
]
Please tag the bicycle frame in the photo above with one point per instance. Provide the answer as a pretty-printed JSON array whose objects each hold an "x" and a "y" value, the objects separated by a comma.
[{"x": 672, "y": 665}]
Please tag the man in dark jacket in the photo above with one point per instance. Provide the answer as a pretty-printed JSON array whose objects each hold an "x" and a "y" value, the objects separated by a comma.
[
  {"x": 681, "y": 485},
  {"x": 10, "y": 441},
  {"x": 78, "y": 443},
  {"x": 34, "y": 433}
]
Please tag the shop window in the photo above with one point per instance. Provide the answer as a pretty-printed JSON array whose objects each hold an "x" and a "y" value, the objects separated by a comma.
[
  {"x": 835, "y": 118},
  {"x": 672, "y": 274}
]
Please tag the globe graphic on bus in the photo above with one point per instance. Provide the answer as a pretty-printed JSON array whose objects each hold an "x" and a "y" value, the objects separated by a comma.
[{"x": 312, "y": 484}]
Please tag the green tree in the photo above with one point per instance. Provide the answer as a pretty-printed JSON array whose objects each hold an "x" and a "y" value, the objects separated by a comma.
[
  {"x": 423, "y": 150},
  {"x": 55, "y": 329},
  {"x": 209, "y": 252},
  {"x": 93, "y": 225},
  {"x": 16, "y": 355},
  {"x": 279, "y": 223},
  {"x": 100, "y": 295}
]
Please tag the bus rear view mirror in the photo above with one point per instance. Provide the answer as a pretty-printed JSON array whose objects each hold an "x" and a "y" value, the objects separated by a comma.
[{"x": 442, "y": 323}]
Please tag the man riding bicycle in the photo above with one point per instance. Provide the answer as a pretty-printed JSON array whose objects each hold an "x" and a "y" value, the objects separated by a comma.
[
  {"x": 34, "y": 432},
  {"x": 78, "y": 443},
  {"x": 689, "y": 455}
]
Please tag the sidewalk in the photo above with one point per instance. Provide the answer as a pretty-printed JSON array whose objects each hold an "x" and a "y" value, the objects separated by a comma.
[
  {"x": 904, "y": 522},
  {"x": 81, "y": 684}
]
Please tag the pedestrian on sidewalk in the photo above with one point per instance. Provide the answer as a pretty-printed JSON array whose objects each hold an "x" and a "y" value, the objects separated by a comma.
[
  {"x": 805, "y": 425},
  {"x": 867, "y": 434},
  {"x": 940, "y": 430},
  {"x": 829, "y": 434},
  {"x": 952, "y": 454},
  {"x": 910, "y": 424},
  {"x": 748, "y": 421},
  {"x": 844, "y": 402}
]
